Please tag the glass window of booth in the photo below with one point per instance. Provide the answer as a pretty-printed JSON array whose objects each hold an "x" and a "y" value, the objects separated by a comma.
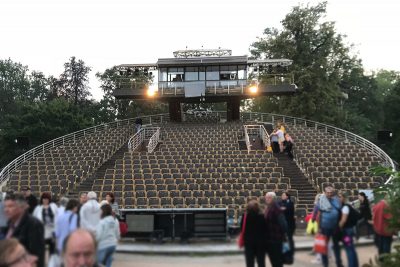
[
  {"x": 176, "y": 75},
  {"x": 228, "y": 73},
  {"x": 163, "y": 74},
  {"x": 192, "y": 74},
  {"x": 212, "y": 73}
]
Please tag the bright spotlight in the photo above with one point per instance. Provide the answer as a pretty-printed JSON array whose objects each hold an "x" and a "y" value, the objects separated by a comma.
[
  {"x": 253, "y": 89},
  {"x": 151, "y": 91}
]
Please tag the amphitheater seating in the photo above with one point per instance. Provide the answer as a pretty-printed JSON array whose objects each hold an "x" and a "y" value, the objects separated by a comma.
[
  {"x": 327, "y": 159},
  {"x": 60, "y": 169},
  {"x": 196, "y": 166}
]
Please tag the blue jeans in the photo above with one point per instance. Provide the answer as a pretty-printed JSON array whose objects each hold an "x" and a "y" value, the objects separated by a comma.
[
  {"x": 384, "y": 243},
  {"x": 349, "y": 247},
  {"x": 331, "y": 233},
  {"x": 105, "y": 255}
]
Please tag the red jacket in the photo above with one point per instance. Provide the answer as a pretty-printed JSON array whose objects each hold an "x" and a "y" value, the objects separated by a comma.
[{"x": 381, "y": 217}]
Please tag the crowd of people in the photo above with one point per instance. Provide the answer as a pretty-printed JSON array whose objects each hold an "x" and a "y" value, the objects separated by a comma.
[
  {"x": 266, "y": 232},
  {"x": 80, "y": 232},
  {"x": 340, "y": 224},
  {"x": 281, "y": 141},
  {"x": 85, "y": 232}
]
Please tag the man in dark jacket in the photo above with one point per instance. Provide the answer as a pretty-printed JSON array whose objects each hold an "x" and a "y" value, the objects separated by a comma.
[
  {"x": 24, "y": 227},
  {"x": 30, "y": 199}
]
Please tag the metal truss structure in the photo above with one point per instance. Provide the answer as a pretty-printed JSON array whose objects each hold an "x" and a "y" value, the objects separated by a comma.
[{"x": 202, "y": 53}]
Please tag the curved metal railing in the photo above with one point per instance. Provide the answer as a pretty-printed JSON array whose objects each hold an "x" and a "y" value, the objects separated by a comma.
[
  {"x": 351, "y": 137},
  {"x": 160, "y": 118},
  {"x": 39, "y": 150}
]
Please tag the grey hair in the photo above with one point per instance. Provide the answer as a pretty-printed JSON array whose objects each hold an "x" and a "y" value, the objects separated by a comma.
[
  {"x": 271, "y": 194},
  {"x": 64, "y": 201},
  {"x": 92, "y": 195}
]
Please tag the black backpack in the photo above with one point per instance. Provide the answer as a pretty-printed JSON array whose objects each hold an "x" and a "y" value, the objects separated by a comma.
[{"x": 353, "y": 218}]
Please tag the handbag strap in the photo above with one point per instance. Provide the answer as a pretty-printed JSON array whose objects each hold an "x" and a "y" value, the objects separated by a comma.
[{"x": 244, "y": 222}]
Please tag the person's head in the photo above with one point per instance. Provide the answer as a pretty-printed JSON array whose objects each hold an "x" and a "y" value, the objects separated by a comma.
[
  {"x": 362, "y": 197},
  {"x": 27, "y": 191},
  {"x": 270, "y": 198},
  {"x": 63, "y": 202},
  {"x": 110, "y": 198},
  {"x": 72, "y": 205},
  {"x": 45, "y": 199},
  {"x": 91, "y": 195},
  {"x": 253, "y": 207},
  {"x": 13, "y": 254},
  {"x": 285, "y": 196},
  {"x": 106, "y": 210},
  {"x": 83, "y": 198},
  {"x": 79, "y": 249},
  {"x": 15, "y": 206},
  {"x": 343, "y": 196},
  {"x": 329, "y": 191}
]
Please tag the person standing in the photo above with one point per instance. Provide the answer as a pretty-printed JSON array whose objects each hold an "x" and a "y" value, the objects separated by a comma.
[
  {"x": 107, "y": 236},
  {"x": 288, "y": 145},
  {"x": 383, "y": 234},
  {"x": 114, "y": 205},
  {"x": 90, "y": 213},
  {"x": 329, "y": 209},
  {"x": 21, "y": 225},
  {"x": 46, "y": 212},
  {"x": 347, "y": 222},
  {"x": 254, "y": 235},
  {"x": 30, "y": 199},
  {"x": 66, "y": 223},
  {"x": 274, "y": 141},
  {"x": 366, "y": 215},
  {"x": 138, "y": 124},
  {"x": 276, "y": 230},
  {"x": 287, "y": 206},
  {"x": 82, "y": 200}
]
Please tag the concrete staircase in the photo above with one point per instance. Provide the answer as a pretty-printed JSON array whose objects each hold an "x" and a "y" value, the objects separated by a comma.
[
  {"x": 87, "y": 184},
  {"x": 306, "y": 191}
]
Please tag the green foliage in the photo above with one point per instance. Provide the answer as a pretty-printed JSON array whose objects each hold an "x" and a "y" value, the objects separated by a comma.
[
  {"x": 75, "y": 80},
  {"x": 125, "y": 108},
  {"x": 41, "y": 122},
  {"x": 320, "y": 60},
  {"x": 333, "y": 87}
]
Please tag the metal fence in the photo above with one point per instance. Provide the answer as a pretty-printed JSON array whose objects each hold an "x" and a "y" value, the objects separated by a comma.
[{"x": 71, "y": 138}]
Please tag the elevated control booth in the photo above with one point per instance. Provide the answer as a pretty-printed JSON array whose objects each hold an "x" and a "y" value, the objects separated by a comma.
[{"x": 212, "y": 75}]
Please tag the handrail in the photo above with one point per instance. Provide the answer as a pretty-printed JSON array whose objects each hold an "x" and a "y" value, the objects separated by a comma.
[
  {"x": 72, "y": 137},
  {"x": 153, "y": 142},
  {"x": 265, "y": 136},
  {"x": 351, "y": 137},
  {"x": 262, "y": 133},
  {"x": 247, "y": 139},
  {"x": 136, "y": 140},
  {"x": 144, "y": 133}
]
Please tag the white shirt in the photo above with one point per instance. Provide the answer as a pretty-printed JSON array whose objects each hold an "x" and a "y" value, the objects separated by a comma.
[{"x": 90, "y": 215}]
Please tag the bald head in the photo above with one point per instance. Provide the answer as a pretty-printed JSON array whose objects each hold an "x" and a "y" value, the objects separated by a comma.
[{"x": 79, "y": 249}]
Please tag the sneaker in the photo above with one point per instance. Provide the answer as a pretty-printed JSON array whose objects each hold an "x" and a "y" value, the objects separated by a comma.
[{"x": 316, "y": 261}]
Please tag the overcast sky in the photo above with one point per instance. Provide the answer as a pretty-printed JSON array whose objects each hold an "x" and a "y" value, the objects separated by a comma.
[{"x": 44, "y": 34}]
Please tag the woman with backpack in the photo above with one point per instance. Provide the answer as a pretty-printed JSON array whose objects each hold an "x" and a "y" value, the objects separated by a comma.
[{"x": 347, "y": 222}]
